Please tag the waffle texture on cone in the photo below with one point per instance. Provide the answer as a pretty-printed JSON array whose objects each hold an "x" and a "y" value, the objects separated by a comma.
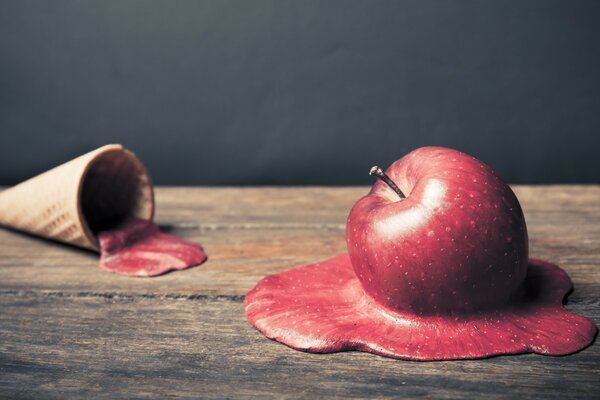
[{"x": 69, "y": 203}]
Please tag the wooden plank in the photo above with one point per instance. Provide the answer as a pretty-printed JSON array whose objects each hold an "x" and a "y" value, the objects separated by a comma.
[
  {"x": 89, "y": 346},
  {"x": 251, "y": 232},
  {"x": 68, "y": 329}
]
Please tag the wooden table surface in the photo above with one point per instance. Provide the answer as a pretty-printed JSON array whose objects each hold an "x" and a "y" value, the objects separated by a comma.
[{"x": 68, "y": 329}]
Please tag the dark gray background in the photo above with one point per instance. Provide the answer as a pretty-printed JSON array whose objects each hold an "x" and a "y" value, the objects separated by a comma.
[{"x": 301, "y": 92}]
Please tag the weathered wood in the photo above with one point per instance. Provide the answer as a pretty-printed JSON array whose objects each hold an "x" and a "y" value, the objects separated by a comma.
[
  {"x": 249, "y": 233},
  {"x": 97, "y": 347},
  {"x": 68, "y": 329}
]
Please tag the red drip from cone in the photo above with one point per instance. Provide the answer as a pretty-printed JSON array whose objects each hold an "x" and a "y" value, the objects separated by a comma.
[{"x": 138, "y": 248}]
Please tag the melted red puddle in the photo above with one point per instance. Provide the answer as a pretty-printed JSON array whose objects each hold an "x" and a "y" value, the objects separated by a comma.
[
  {"x": 322, "y": 308},
  {"x": 138, "y": 248}
]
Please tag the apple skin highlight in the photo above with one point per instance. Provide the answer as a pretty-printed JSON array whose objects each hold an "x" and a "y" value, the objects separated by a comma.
[
  {"x": 439, "y": 275},
  {"x": 457, "y": 243}
]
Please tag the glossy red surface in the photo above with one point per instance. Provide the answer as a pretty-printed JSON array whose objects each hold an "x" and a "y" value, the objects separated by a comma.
[
  {"x": 441, "y": 274},
  {"x": 139, "y": 248},
  {"x": 457, "y": 243},
  {"x": 323, "y": 308}
]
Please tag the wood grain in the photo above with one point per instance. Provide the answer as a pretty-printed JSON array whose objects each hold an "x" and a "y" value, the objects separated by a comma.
[
  {"x": 90, "y": 346},
  {"x": 251, "y": 232},
  {"x": 68, "y": 329}
]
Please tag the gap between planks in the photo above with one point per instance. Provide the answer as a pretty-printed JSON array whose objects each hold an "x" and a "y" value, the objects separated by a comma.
[{"x": 122, "y": 295}]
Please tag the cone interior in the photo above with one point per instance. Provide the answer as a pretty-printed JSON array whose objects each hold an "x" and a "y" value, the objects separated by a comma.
[{"x": 115, "y": 187}]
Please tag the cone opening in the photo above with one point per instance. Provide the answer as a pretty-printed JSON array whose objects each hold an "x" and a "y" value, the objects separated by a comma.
[{"x": 115, "y": 187}]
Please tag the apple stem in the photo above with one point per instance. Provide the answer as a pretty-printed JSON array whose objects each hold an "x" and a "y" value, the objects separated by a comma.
[{"x": 378, "y": 173}]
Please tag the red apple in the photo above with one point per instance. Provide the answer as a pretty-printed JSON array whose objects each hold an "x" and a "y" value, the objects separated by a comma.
[
  {"x": 457, "y": 243},
  {"x": 437, "y": 270}
]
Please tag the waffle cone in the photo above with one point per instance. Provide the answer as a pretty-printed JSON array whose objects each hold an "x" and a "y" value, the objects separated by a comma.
[{"x": 72, "y": 201}]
